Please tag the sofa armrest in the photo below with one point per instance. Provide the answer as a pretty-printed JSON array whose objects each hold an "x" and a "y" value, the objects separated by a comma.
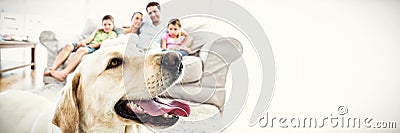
[
  {"x": 55, "y": 42},
  {"x": 216, "y": 54},
  {"x": 216, "y": 57},
  {"x": 50, "y": 42}
]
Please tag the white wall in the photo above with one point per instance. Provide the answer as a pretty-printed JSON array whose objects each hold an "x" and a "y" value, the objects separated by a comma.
[
  {"x": 39, "y": 15},
  {"x": 35, "y": 16}
]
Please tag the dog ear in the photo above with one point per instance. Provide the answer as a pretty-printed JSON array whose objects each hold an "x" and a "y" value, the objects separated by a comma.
[{"x": 66, "y": 115}]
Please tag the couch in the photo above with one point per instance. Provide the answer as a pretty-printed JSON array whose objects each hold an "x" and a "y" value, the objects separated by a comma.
[{"x": 205, "y": 75}]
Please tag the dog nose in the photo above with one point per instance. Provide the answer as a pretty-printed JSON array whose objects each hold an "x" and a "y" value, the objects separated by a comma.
[{"x": 170, "y": 59}]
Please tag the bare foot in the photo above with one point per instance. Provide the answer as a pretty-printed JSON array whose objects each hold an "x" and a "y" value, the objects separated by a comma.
[
  {"x": 48, "y": 71},
  {"x": 59, "y": 75}
]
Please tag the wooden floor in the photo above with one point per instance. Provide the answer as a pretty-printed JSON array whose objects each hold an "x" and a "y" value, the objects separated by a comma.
[{"x": 21, "y": 79}]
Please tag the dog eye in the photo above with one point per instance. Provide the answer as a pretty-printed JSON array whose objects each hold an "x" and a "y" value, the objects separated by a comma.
[{"x": 114, "y": 62}]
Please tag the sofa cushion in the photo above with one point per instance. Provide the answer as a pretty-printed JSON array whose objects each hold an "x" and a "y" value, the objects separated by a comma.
[
  {"x": 198, "y": 93},
  {"x": 216, "y": 57},
  {"x": 89, "y": 27},
  {"x": 193, "y": 69}
]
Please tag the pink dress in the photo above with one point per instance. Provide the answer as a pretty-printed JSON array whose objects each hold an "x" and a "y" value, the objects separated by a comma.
[{"x": 171, "y": 42}]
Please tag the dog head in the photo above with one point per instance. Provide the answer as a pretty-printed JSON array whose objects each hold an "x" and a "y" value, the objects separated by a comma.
[{"x": 114, "y": 87}]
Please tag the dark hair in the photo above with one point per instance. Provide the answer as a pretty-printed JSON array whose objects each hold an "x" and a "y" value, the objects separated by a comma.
[
  {"x": 153, "y": 4},
  {"x": 175, "y": 21},
  {"x": 108, "y": 17},
  {"x": 135, "y": 14}
]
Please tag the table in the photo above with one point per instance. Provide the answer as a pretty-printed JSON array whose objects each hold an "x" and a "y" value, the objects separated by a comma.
[{"x": 6, "y": 65}]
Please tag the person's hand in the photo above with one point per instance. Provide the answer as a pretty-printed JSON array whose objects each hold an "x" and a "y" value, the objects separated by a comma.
[
  {"x": 99, "y": 29},
  {"x": 82, "y": 43}
]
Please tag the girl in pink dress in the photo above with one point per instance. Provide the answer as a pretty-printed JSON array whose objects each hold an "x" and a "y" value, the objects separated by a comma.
[{"x": 173, "y": 39}]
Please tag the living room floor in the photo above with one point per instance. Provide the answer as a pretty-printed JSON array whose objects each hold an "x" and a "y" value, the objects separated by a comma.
[{"x": 21, "y": 79}]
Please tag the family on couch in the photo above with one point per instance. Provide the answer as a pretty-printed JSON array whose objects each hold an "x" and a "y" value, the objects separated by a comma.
[
  {"x": 206, "y": 69},
  {"x": 173, "y": 39}
]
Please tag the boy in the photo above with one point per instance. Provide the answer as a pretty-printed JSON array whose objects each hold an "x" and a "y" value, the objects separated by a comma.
[{"x": 84, "y": 47}]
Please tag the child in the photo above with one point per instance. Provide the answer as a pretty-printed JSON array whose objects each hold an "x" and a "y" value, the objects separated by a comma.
[
  {"x": 84, "y": 47},
  {"x": 173, "y": 39}
]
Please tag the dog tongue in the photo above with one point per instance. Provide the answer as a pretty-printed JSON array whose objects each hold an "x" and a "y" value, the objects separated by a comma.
[{"x": 156, "y": 107}]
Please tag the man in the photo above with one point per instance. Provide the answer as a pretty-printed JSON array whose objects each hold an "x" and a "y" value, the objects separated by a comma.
[
  {"x": 154, "y": 29},
  {"x": 148, "y": 30}
]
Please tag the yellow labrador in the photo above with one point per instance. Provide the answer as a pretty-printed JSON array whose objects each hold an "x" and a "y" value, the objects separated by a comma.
[{"x": 110, "y": 90}]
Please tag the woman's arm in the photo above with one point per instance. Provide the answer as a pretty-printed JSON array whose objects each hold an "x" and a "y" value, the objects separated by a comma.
[{"x": 128, "y": 30}]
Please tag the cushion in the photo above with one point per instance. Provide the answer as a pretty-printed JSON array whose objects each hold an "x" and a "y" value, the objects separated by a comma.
[
  {"x": 198, "y": 93},
  {"x": 89, "y": 27},
  {"x": 193, "y": 69},
  {"x": 217, "y": 56}
]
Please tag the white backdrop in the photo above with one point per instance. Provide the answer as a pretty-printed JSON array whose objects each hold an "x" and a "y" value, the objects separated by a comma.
[{"x": 330, "y": 54}]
